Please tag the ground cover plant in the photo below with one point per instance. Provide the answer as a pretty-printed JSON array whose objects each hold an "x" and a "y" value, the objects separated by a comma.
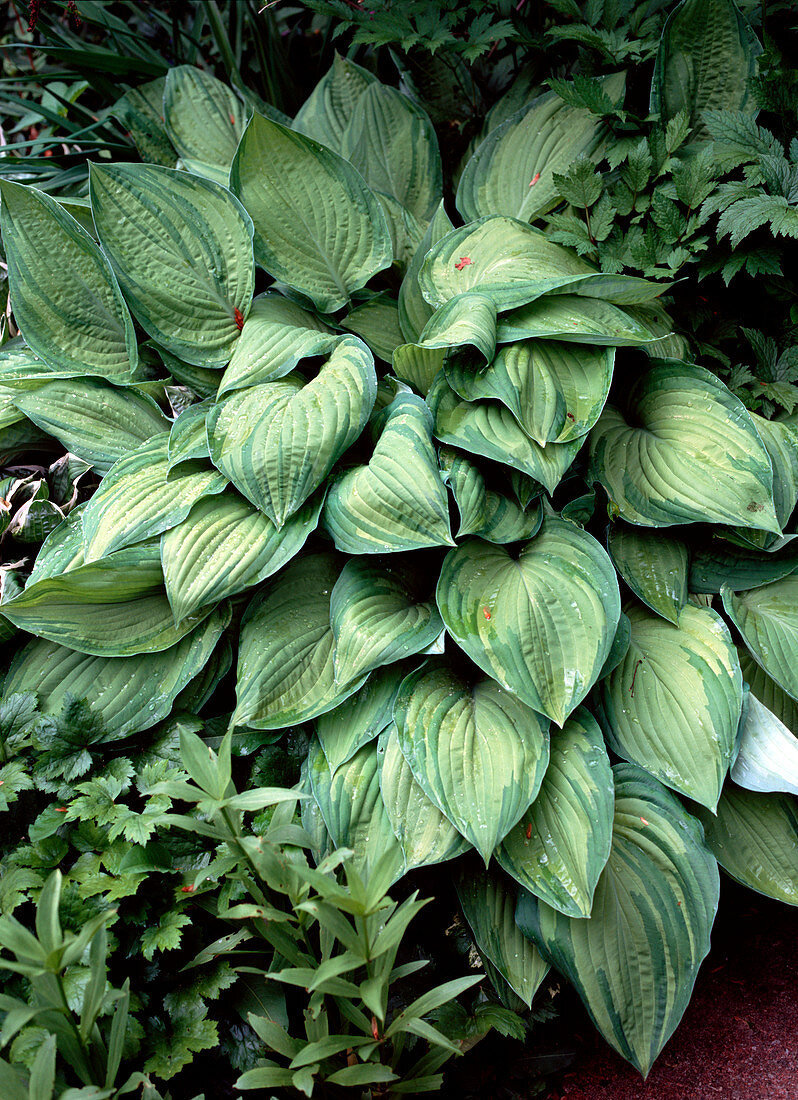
[{"x": 398, "y": 551}]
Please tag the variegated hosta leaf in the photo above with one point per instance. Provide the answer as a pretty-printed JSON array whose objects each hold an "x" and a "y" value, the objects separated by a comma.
[
  {"x": 690, "y": 454},
  {"x": 555, "y": 391},
  {"x": 634, "y": 961},
  {"x": 398, "y": 500},
  {"x": 488, "y": 899},
  {"x": 380, "y": 614},
  {"x": 414, "y": 310},
  {"x": 767, "y": 757},
  {"x": 278, "y": 441},
  {"x": 417, "y": 366},
  {"x": 405, "y": 230},
  {"x": 115, "y": 607},
  {"x": 673, "y": 704},
  {"x": 181, "y": 247},
  {"x": 62, "y": 550},
  {"x": 477, "y": 751},
  {"x": 425, "y": 835},
  {"x": 485, "y": 511},
  {"x": 225, "y": 546},
  {"x": 754, "y": 838},
  {"x": 299, "y": 194},
  {"x": 573, "y": 318},
  {"x": 620, "y": 646},
  {"x": 467, "y": 320},
  {"x": 780, "y": 440},
  {"x": 326, "y": 112},
  {"x": 654, "y": 567},
  {"x": 128, "y": 694},
  {"x": 135, "y": 501},
  {"x": 512, "y": 171},
  {"x": 204, "y": 120},
  {"x": 276, "y": 335},
  {"x": 352, "y": 808},
  {"x": 141, "y": 113},
  {"x": 767, "y": 691},
  {"x": 514, "y": 264},
  {"x": 392, "y": 143},
  {"x": 767, "y": 618},
  {"x": 286, "y": 654},
  {"x": 541, "y": 621},
  {"x": 717, "y": 561},
  {"x": 188, "y": 438},
  {"x": 79, "y": 323},
  {"x": 560, "y": 846},
  {"x": 94, "y": 419},
  {"x": 489, "y": 428},
  {"x": 360, "y": 718},
  {"x": 377, "y": 322}
]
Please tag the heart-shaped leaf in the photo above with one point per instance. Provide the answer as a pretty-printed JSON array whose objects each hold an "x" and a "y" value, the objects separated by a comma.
[
  {"x": 767, "y": 618},
  {"x": 655, "y": 568},
  {"x": 467, "y": 320},
  {"x": 767, "y": 756}
]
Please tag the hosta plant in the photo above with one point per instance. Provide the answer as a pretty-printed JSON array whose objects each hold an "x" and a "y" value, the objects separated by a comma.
[{"x": 523, "y": 576}]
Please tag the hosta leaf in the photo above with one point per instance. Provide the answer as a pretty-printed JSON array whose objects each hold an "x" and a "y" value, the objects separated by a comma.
[
  {"x": 655, "y": 568},
  {"x": 767, "y": 618},
  {"x": 417, "y": 366},
  {"x": 469, "y": 319},
  {"x": 767, "y": 691},
  {"x": 351, "y": 805},
  {"x": 767, "y": 758},
  {"x": 414, "y": 310},
  {"x": 488, "y": 899},
  {"x": 398, "y": 500},
  {"x": 79, "y": 323},
  {"x": 781, "y": 443},
  {"x": 188, "y": 439},
  {"x": 377, "y": 322},
  {"x": 540, "y": 621},
  {"x": 276, "y": 335},
  {"x": 141, "y": 112},
  {"x": 754, "y": 838},
  {"x": 299, "y": 195},
  {"x": 572, "y": 318},
  {"x": 489, "y": 428},
  {"x": 325, "y": 114},
  {"x": 278, "y": 441},
  {"x": 425, "y": 835},
  {"x": 136, "y": 502},
  {"x": 560, "y": 846},
  {"x": 94, "y": 419},
  {"x": 691, "y": 453},
  {"x": 225, "y": 546},
  {"x": 379, "y": 614},
  {"x": 634, "y": 961},
  {"x": 715, "y": 562},
  {"x": 129, "y": 694},
  {"x": 405, "y": 230},
  {"x": 286, "y": 654},
  {"x": 62, "y": 550},
  {"x": 673, "y": 704},
  {"x": 476, "y": 751},
  {"x": 360, "y": 718},
  {"x": 392, "y": 143},
  {"x": 485, "y": 511},
  {"x": 181, "y": 247},
  {"x": 555, "y": 391},
  {"x": 204, "y": 120}
]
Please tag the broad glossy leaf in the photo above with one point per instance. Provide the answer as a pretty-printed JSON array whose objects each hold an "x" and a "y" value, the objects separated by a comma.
[
  {"x": 655, "y": 568},
  {"x": 485, "y": 510},
  {"x": 716, "y": 561},
  {"x": 767, "y": 757},
  {"x": 188, "y": 439},
  {"x": 380, "y": 614},
  {"x": 204, "y": 120},
  {"x": 129, "y": 694},
  {"x": 398, "y": 500},
  {"x": 476, "y": 751},
  {"x": 325, "y": 114},
  {"x": 377, "y": 322},
  {"x": 469, "y": 319},
  {"x": 392, "y": 143},
  {"x": 768, "y": 692},
  {"x": 488, "y": 428},
  {"x": 181, "y": 247},
  {"x": 299, "y": 195},
  {"x": 673, "y": 704},
  {"x": 767, "y": 618},
  {"x": 417, "y": 366},
  {"x": 634, "y": 961},
  {"x": 555, "y": 391},
  {"x": 414, "y": 310},
  {"x": 781, "y": 443},
  {"x": 754, "y": 838},
  {"x": 286, "y": 653},
  {"x": 488, "y": 899},
  {"x": 79, "y": 323},
  {"x": 561, "y": 844},
  {"x": 360, "y": 718},
  {"x": 278, "y": 441},
  {"x": 224, "y": 546},
  {"x": 405, "y": 229},
  {"x": 572, "y": 318},
  {"x": 425, "y": 835},
  {"x": 690, "y": 453},
  {"x": 135, "y": 501},
  {"x": 62, "y": 550},
  {"x": 141, "y": 113}
]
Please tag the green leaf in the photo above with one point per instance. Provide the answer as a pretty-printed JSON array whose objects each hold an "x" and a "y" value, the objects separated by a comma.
[
  {"x": 79, "y": 323},
  {"x": 360, "y": 718},
  {"x": 325, "y": 114},
  {"x": 767, "y": 692},
  {"x": 561, "y": 844},
  {"x": 673, "y": 704},
  {"x": 634, "y": 961},
  {"x": 754, "y": 838},
  {"x": 573, "y": 318},
  {"x": 476, "y": 751},
  {"x": 278, "y": 441},
  {"x": 140, "y": 111},
  {"x": 655, "y": 568},
  {"x": 417, "y": 366},
  {"x": 716, "y": 562},
  {"x": 287, "y": 650},
  {"x": 780, "y": 440},
  {"x": 204, "y": 120},
  {"x": 691, "y": 453},
  {"x": 468, "y": 319},
  {"x": 488, "y": 902},
  {"x": 377, "y": 322},
  {"x": 300, "y": 195},
  {"x": 490, "y": 513},
  {"x": 414, "y": 310},
  {"x": 767, "y": 618},
  {"x": 181, "y": 247},
  {"x": 188, "y": 439},
  {"x": 541, "y": 621},
  {"x": 398, "y": 500},
  {"x": 767, "y": 756}
]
